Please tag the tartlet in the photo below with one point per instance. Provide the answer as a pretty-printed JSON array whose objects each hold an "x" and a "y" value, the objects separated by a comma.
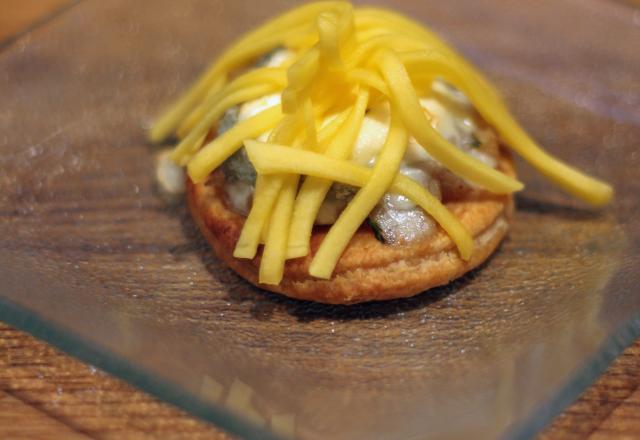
[{"x": 341, "y": 155}]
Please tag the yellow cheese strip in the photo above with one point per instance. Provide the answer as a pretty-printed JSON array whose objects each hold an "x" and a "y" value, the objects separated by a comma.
[
  {"x": 404, "y": 98},
  {"x": 432, "y": 206},
  {"x": 365, "y": 34},
  {"x": 276, "y": 78},
  {"x": 328, "y": 131},
  {"x": 493, "y": 111},
  {"x": 336, "y": 33},
  {"x": 342, "y": 145},
  {"x": 587, "y": 188},
  {"x": 328, "y": 40},
  {"x": 343, "y": 97},
  {"x": 455, "y": 70},
  {"x": 302, "y": 41},
  {"x": 276, "y": 159},
  {"x": 300, "y": 76},
  {"x": 384, "y": 172},
  {"x": 403, "y": 25},
  {"x": 396, "y": 37},
  {"x": 308, "y": 78},
  {"x": 302, "y": 72},
  {"x": 251, "y": 45},
  {"x": 275, "y": 248},
  {"x": 310, "y": 125},
  {"x": 364, "y": 54},
  {"x": 346, "y": 26},
  {"x": 368, "y": 78},
  {"x": 265, "y": 195},
  {"x": 265, "y": 227},
  {"x": 218, "y": 150},
  {"x": 274, "y": 253},
  {"x": 385, "y": 18},
  {"x": 267, "y": 190},
  {"x": 314, "y": 190},
  {"x": 183, "y": 152}
]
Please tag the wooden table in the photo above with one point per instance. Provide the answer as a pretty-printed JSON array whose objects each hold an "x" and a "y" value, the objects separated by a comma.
[{"x": 46, "y": 394}]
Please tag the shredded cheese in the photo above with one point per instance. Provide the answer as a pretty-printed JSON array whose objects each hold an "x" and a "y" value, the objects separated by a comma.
[
  {"x": 204, "y": 115},
  {"x": 274, "y": 159},
  {"x": 314, "y": 190},
  {"x": 266, "y": 192},
  {"x": 219, "y": 149},
  {"x": 365, "y": 200},
  {"x": 342, "y": 60},
  {"x": 405, "y": 98},
  {"x": 275, "y": 248},
  {"x": 310, "y": 125},
  {"x": 328, "y": 34},
  {"x": 263, "y": 39},
  {"x": 185, "y": 150}
]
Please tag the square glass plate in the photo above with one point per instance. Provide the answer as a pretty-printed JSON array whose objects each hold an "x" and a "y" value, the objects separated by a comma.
[{"x": 95, "y": 262}]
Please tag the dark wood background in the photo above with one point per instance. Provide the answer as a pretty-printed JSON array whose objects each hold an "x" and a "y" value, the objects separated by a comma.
[{"x": 46, "y": 394}]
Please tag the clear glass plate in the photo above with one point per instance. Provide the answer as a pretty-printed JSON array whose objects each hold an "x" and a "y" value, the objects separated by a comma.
[{"x": 95, "y": 262}]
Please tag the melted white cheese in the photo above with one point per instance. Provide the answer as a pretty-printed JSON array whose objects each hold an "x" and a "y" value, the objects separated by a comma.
[
  {"x": 240, "y": 195},
  {"x": 169, "y": 175},
  {"x": 455, "y": 126},
  {"x": 278, "y": 58},
  {"x": 252, "y": 108},
  {"x": 449, "y": 112}
]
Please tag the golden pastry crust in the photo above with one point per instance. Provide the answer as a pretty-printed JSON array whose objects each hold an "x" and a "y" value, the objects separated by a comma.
[{"x": 368, "y": 270}]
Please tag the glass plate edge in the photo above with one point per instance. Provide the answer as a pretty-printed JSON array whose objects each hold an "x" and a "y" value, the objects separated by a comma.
[
  {"x": 623, "y": 336},
  {"x": 73, "y": 345},
  {"x": 67, "y": 341}
]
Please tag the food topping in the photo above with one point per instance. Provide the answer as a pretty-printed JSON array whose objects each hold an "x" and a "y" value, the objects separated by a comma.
[
  {"x": 169, "y": 176},
  {"x": 362, "y": 97}
]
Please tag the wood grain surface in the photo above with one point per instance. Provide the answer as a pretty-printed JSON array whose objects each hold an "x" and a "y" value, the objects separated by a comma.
[
  {"x": 16, "y": 16},
  {"x": 47, "y": 394}
]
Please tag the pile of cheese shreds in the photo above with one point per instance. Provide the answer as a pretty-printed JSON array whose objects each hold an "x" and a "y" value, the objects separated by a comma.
[{"x": 345, "y": 60}]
